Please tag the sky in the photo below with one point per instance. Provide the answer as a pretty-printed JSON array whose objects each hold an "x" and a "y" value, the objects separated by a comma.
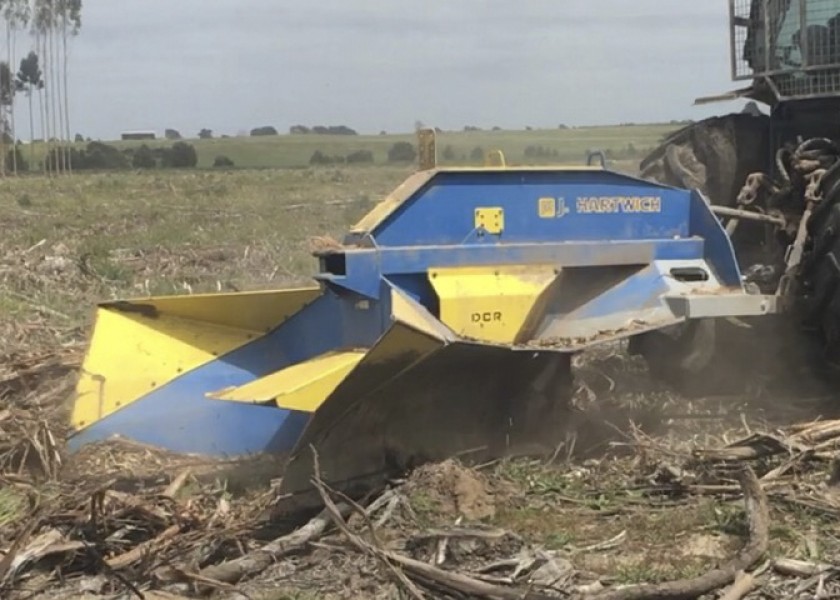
[{"x": 231, "y": 65}]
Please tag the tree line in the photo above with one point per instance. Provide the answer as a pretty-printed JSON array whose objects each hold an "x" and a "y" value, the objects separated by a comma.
[
  {"x": 99, "y": 156},
  {"x": 322, "y": 130},
  {"x": 38, "y": 68}
]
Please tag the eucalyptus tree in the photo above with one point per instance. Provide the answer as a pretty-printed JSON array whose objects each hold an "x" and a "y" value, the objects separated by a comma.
[
  {"x": 44, "y": 70},
  {"x": 71, "y": 23},
  {"x": 16, "y": 13},
  {"x": 7, "y": 97},
  {"x": 42, "y": 25},
  {"x": 55, "y": 81},
  {"x": 29, "y": 80}
]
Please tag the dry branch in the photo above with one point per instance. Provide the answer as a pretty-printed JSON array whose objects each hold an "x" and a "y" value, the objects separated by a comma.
[
  {"x": 425, "y": 574},
  {"x": 462, "y": 532},
  {"x": 172, "y": 490},
  {"x": 743, "y": 585},
  {"x": 398, "y": 575},
  {"x": 176, "y": 574},
  {"x": 254, "y": 562},
  {"x": 759, "y": 521},
  {"x": 754, "y": 447},
  {"x": 456, "y": 583},
  {"x": 818, "y": 432},
  {"x": 800, "y": 568},
  {"x": 138, "y": 552}
]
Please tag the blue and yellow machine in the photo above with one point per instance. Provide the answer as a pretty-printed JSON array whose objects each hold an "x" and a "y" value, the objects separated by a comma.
[{"x": 444, "y": 324}]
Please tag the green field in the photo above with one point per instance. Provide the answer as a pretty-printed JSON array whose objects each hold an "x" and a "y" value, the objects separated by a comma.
[
  {"x": 627, "y": 142},
  {"x": 71, "y": 241}
]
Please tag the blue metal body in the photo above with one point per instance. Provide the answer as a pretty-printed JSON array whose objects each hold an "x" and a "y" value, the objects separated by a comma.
[
  {"x": 603, "y": 221},
  {"x": 434, "y": 227}
]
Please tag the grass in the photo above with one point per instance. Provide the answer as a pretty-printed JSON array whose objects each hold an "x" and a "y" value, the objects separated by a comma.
[
  {"x": 294, "y": 151},
  {"x": 290, "y": 595},
  {"x": 570, "y": 144},
  {"x": 98, "y": 236},
  {"x": 565, "y": 507},
  {"x": 424, "y": 505},
  {"x": 12, "y": 505}
]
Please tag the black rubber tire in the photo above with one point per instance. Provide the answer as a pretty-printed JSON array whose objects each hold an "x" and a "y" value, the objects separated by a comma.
[
  {"x": 819, "y": 303},
  {"x": 714, "y": 156},
  {"x": 790, "y": 351}
]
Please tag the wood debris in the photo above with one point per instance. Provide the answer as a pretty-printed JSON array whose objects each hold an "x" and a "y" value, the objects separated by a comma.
[{"x": 122, "y": 518}]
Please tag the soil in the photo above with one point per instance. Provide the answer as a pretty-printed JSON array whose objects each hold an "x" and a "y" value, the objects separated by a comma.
[{"x": 453, "y": 491}]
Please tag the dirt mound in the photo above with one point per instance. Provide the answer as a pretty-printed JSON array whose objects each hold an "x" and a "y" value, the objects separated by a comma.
[{"x": 452, "y": 490}]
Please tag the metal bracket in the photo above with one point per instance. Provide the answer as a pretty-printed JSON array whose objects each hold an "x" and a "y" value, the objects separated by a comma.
[
  {"x": 710, "y": 306},
  {"x": 495, "y": 158},
  {"x": 596, "y": 154}
]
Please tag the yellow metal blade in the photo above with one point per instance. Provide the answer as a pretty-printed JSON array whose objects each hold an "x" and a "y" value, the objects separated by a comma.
[
  {"x": 131, "y": 356},
  {"x": 490, "y": 304},
  {"x": 139, "y": 346},
  {"x": 302, "y": 387},
  {"x": 252, "y": 311}
]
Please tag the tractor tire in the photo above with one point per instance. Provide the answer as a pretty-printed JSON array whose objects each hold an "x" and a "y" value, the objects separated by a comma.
[
  {"x": 714, "y": 156},
  {"x": 819, "y": 282}
]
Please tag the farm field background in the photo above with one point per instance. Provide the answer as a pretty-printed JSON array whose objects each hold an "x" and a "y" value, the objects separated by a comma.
[
  {"x": 570, "y": 144},
  {"x": 100, "y": 235},
  {"x": 625, "y": 142}
]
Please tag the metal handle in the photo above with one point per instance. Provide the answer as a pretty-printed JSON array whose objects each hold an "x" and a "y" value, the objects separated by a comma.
[{"x": 590, "y": 154}]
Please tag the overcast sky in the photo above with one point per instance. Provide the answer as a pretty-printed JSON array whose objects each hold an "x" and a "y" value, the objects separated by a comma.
[{"x": 231, "y": 65}]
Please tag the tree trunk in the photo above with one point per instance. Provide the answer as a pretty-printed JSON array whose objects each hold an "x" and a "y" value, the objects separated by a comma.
[
  {"x": 66, "y": 94},
  {"x": 14, "y": 112},
  {"x": 31, "y": 130},
  {"x": 48, "y": 102},
  {"x": 45, "y": 106},
  {"x": 56, "y": 100},
  {"x": 42, "y": 115},
  {"x": 4, "y": 109},
  {"x": 10, "y": 32},
  {"x": 59, "y": 113}
]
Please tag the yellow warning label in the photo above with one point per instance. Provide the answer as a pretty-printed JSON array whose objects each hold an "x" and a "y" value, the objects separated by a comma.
[
  {"x": 547, "y": 208},
  {"x": 492, "y": 220}
]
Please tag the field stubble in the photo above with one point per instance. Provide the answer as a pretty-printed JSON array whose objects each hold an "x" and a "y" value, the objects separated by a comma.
[{"x": 638, "y": 499}]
